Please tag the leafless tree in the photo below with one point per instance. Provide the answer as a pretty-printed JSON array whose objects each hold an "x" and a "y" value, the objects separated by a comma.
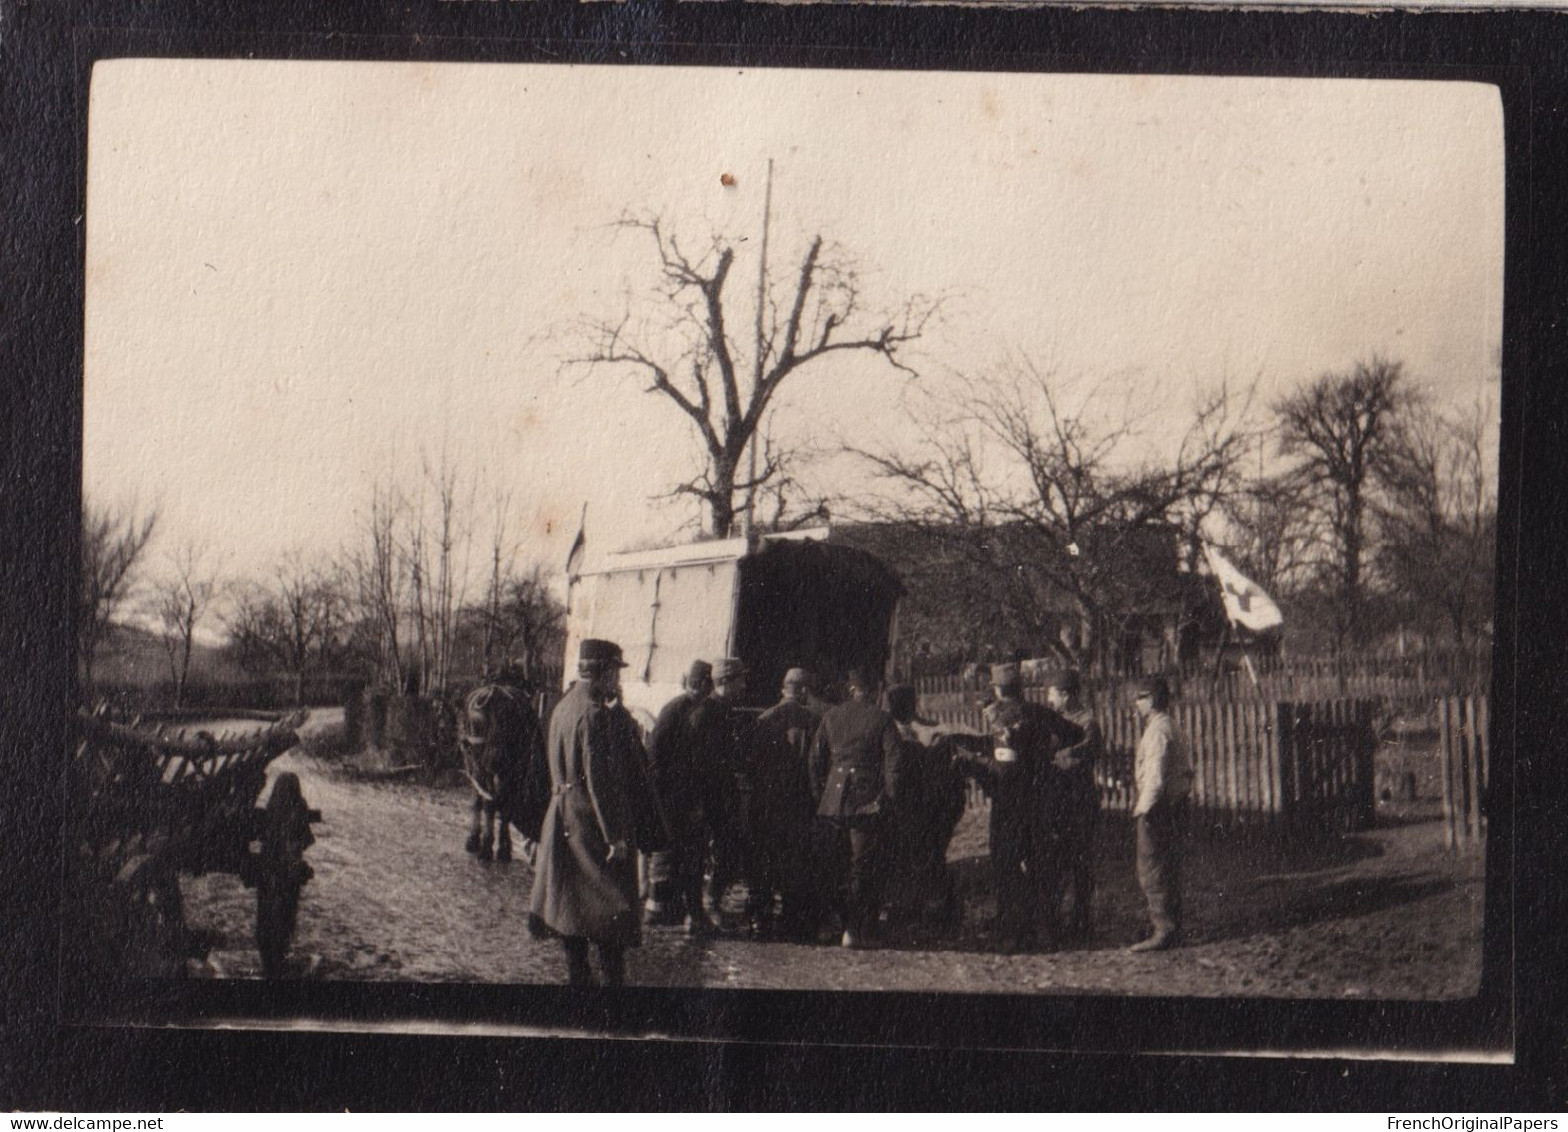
[
  {"x": 1268, "y": 530},
  {"x": 524, "y": 623},
  {"x": 288, "y": 623},
  {"x": 181, "y": 599},
  {"x": 1055, "y": 509},
  {"x": 114, "y": 539},
  {"x": 1437, "y": 522},
  {"x": 503, "y": 556},
  {"x": 1340, "y": 431},
  {"x": 697, "y": 363},
  {"x": 438, "y": 551},
  {"x": 380, "y": 575}
]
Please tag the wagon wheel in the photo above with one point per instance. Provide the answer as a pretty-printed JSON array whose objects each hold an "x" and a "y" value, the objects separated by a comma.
[{"x": 281, "y": 871}]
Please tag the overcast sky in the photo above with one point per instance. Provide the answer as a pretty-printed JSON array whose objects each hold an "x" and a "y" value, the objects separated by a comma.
[{"x": 301, "y": 275}]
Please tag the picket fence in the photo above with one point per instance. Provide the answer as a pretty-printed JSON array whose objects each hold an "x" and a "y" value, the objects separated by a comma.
[
  {"x": 1394, "y": 680},
  {"x": 1464, "y": 730},
  {"x": 1287, "y": 766}
]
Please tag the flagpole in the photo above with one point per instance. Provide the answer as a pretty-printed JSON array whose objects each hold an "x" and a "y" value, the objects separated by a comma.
[
  {"x": 762, "y": 296},
  {"x": 1246, "y": 658},
  {"x": 1219, "y": 655}
]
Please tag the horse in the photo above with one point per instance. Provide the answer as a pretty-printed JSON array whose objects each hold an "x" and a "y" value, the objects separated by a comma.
[{"x": 503, "y": 759}]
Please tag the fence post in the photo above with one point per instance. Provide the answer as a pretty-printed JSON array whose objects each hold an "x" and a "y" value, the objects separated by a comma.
[
  {"x": 1473, "y": 768},
  {"x": 1289, "y": 771},
  {"x": 1366, "y": 764},
  {"x": 1447, "y": 745},
  {"x": 1483, "y": 732}
]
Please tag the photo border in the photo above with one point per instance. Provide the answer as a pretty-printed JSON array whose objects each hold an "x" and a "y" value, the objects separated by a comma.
[{"x": 54, "y": 49}]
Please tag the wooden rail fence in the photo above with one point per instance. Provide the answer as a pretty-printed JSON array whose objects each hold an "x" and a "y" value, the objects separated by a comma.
[{"x": 1465, "y": 737}]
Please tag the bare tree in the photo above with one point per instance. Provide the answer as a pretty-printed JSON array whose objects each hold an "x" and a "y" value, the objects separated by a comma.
[
  {"x": 113, "y": 541},
  {"x": 525, "y": 622},
  {"x": 380, "y": 575},
  {"x": 1055, "y": 510},
  {"x": 503, "y": 554},
  {"x": 438, "y": 549},
  {"x": 181, "y": 599},
  {"x": 288, "y": 623},
  {"x": 1340, "y": 431},
  {"x": 705, "y": 372},
  {"x": 1268, "y": 530},
  {"x": 1437, "y": 522}
]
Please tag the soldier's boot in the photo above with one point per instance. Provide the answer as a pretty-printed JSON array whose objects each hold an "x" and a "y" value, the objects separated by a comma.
[
  {"x": 612, "y": 961},
  {"x": 579, "y": 972},
  {"x": 1159, "y": 941}
]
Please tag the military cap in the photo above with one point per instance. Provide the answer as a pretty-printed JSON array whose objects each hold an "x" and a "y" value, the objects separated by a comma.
[
  {"x": 728, "y": 668},
  {"x": 1004, "y": 676},
  {"x": 594, "y": 653},
  {"x": 1155, "y": 688},
  {"x": 699, "y": 672},
  {"x": 799, "y": 676}
]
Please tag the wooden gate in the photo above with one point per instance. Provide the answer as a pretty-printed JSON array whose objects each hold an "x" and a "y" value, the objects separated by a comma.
[{"x": 1326, "y": 764}]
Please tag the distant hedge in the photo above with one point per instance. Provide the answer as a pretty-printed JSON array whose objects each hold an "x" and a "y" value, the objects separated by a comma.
[{"x": 265, "y": 693}]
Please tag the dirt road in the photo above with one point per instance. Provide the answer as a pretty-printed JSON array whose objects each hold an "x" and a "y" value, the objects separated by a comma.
[{"x": 1384, "y": 914}]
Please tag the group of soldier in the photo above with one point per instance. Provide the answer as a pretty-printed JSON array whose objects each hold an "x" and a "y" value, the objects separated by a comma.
[{"x": 836, "y": 817}]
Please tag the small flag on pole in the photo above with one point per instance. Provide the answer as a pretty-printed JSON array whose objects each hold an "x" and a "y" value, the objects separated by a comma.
[
  {"x": 574, "y": 557},
  {"x": 1245, "y": 602}
]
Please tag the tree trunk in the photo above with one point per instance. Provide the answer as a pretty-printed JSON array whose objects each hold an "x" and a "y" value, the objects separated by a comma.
[{"x": 721, "y": 502}]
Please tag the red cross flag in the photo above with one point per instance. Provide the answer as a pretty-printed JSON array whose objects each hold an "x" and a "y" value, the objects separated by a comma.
[{"x": 1245, "y": 602}]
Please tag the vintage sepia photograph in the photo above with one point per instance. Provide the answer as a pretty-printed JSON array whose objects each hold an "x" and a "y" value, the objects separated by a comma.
[{"x": 770, "y": 529}]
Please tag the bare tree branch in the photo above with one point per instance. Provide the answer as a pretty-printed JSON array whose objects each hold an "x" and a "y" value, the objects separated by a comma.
[{"x": 822, "y": 302}]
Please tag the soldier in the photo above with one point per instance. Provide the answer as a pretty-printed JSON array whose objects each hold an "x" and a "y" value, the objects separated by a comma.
[
  {"x": 1020, "y": 779},
  {"x": 724, "y": 731},
  {"x": 1077, "y": 814},
  {"x": 782, "y": 812},
  {"x": 602, "y": 811},
  {"x": 930, "y": 804},
  {"x": 854, "y": 774},
  {"x": 1163, "y": 779},
  {"x": 680, "y": 773}
]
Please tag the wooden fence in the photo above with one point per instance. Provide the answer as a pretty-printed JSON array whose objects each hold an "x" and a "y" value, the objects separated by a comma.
[
  {"x": 1396, "y": 681},
  {"x": 1465, "y": 738},
  {"x": 1302, "y": 767}
]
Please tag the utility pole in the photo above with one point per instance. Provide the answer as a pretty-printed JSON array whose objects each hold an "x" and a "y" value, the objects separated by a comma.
[{"x": 758, "y": 360}]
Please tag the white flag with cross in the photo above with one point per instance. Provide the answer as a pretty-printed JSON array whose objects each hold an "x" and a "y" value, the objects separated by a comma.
[{"x": 1245, "y": 602}]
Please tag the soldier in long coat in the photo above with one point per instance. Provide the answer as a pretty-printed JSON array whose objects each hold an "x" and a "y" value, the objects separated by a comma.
[
  {"x": 931, "y": 800},
  {"x": 679, "y": 754},
  {"x": 854, "y": 771},
  {"x": 724, "y": 732},
  {"x": 1016, "y": 771},
  {"x": 1077, "y": 801},
  {"x": 783, "y": 811},
  {"x": 603, "y": 810}
]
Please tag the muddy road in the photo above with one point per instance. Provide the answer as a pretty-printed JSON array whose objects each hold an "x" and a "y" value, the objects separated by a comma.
[{"x": 1383, "y": 914}]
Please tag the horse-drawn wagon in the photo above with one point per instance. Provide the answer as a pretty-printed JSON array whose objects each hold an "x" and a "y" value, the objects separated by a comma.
[{"x": 149, "y": 803}]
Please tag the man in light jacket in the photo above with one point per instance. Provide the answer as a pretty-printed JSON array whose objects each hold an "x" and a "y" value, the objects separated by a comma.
[{"x": 1163, "y": 778}]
